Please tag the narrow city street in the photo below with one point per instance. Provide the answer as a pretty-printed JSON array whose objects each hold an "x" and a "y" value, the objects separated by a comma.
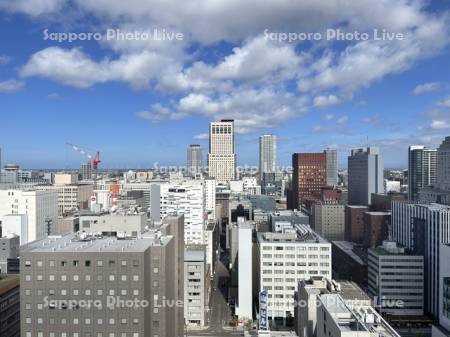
[{"x": 219, "y": 314}]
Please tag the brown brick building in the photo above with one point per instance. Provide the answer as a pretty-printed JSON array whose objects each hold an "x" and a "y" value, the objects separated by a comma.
[
  {"x": 354, "y": 223},
  {"x": 309, "y": 176},
  {"x": 376, "y": 228}
]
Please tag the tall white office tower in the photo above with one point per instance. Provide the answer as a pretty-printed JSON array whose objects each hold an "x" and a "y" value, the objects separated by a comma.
[
  {"x": 194, "y": 159},
  {"x": 332, "y": 167},
  {"x": 443, "y": 165},
  {"x": 422, "y": 163},
  {"x": 365, "y": 175},
  {"x": 267, "y": 154},
  {"x": 222, "y": 156}
]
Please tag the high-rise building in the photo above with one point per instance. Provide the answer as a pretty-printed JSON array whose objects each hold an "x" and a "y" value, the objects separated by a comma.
[
  {"x": 194, "y": 159},
  {"x": 309, "y": 176},
  {"x": 421, "y": 170},
  {"x": 365, "y": 175},
  {"x": 332, "y": 167},
  {"x": 423, "y": 229},
  {"x": 443, "y": 165},
  {"x": 101, "y": 276},
  {"x": 267, "y": 154},
  {"x": 396, "y": 280},
  {"x": 189, "y": 198},
  {"x": 86, "y": 171},
  {"x": 222, "y": 155}
]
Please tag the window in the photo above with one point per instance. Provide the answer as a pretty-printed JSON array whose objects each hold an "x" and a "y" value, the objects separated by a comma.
[
  {"x": 446, "y": 297},
  {"x": 27, "y": 264},
  {"x": 87, "y": 263},
  {"x": 76, "y": 263},
  {"x": 99, "y": 263}
]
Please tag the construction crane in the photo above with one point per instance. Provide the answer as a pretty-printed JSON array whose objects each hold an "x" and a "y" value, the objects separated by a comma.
[{"x": 94, "y": 158}]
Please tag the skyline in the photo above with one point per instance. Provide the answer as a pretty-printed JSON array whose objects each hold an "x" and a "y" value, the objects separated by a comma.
[{"x": 141, "y": 102}]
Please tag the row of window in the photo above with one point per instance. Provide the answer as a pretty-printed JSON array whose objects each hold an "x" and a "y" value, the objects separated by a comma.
[
  {"x": 292, "y": 256},
  {"x": 301, "y": 248},
  {"x": 87, "y": 263},
  {"x": 77, "y": 321},
  {"x": 112, "y": 277},
  {"x": 77, "y": 334}
]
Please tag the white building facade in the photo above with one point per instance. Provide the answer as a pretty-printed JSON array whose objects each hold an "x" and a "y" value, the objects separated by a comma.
[
  {"x": 285, "y": 259},
  {"x": 40, "y": 208}
]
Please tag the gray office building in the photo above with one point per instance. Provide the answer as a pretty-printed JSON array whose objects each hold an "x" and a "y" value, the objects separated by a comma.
[
  {"x": 365, "y": 175},
  {"x": 102, "y": 286},
  {"x": 332, "y": 167},
  {"x": 194, "y": 159},
  {"x": 396, "y": 280},
  {"x": 267, "y": 154},
  {"x": 422, "y": 163}
]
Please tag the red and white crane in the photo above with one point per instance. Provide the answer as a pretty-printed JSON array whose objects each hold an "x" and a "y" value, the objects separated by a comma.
[{"x": 95, "y": 159}]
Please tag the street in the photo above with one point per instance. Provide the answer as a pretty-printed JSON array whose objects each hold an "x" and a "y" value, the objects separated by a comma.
[{"x": 219, "y": 314}]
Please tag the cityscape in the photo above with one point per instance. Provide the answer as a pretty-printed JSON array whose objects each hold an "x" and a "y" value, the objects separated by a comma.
[{"x": 223, "y": 168}]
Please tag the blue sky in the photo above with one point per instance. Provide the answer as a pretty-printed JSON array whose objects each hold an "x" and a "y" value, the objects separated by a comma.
[{"x": 142, "y": 102}]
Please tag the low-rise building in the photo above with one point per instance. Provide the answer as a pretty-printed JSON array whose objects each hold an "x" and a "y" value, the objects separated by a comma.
[
  {"x": 9, "y": 249},
  {"x": 9, "y": 306},
  {"x": 125, "y": 222},
  {"x": 350, "y": 262},
  {"x": 308, "y": 293},
  {"x": 338, "y": 318}
]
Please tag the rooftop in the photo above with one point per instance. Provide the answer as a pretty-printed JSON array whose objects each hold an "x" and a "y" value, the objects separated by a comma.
[
  {"x": 8, "y": 282},
  {"x": 356, "y": 318},
  {"x": 76, "y": 243},
  {"x": 347, "y": 247},
  {"x": 197, "y": 255},
  {"x": 300, "y": 234}
]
